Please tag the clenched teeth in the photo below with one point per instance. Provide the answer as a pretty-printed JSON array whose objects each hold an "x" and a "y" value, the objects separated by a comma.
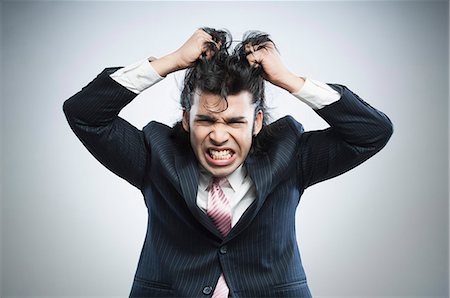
[{"x": 222, "y": 154}]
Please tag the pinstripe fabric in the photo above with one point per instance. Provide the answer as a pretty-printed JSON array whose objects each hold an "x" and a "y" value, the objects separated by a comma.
[{"x": 183, "y": 253}]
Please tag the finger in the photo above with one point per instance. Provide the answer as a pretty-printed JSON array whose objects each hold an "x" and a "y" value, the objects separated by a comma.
[
  {"x": 208, "y": 38},
  {"x": 217, "y": 44},
  {"x": 206, "y": 53},
  {"x": 265, "y": 45},
  {"x": 209, "y": 48},
  {"x": 248, "y": 48},
  {"x": 254, "y": 59}
]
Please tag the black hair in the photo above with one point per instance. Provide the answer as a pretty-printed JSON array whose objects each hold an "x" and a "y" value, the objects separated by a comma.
[{"x": 227, "y": 72}]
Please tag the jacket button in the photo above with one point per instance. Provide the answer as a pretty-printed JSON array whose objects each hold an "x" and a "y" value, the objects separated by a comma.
[
  {"x": 223, "y": 249},
  {"x": 207, "y": 290}
]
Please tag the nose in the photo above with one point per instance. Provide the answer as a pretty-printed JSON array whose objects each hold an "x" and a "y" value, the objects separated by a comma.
[{"x": 219, "y": 135}]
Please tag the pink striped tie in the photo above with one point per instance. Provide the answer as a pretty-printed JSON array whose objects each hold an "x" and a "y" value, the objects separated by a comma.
[{"x": 219, "y": 211}]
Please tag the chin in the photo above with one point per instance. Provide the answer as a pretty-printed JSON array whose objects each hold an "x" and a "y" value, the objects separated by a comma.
[{"x": 220, "y": 172}]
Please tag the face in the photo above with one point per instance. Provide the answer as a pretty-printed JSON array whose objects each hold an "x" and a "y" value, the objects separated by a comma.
[{"x": 221, "y": 139}]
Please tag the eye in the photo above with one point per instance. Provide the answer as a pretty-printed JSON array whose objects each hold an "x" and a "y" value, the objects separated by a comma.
[
  {"x": 204, "y": 121},
  {"x": 236, "y": 123}
]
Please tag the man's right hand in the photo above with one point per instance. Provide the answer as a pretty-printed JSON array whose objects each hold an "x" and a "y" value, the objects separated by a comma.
[{"x": 194, "y": 48}]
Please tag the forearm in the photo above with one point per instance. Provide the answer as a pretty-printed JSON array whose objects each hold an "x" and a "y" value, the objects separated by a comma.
[
  {"x": 166, "y": 65},
  {"x": 357, "y": 122},
  {"x": 99, "y": 102},
  {"x": 290, "y": 82}
]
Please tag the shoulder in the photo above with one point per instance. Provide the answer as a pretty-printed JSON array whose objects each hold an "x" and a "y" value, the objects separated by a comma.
[
  {"x": 285, "y": 131},
  {"x": 160, "y": 134},
  {"x": 286, "y": 124},
  {"x": 279, "y": 142}
]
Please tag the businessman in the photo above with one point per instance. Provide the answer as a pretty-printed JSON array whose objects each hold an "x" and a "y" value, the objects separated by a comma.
[{"x": 222, "y": 185}]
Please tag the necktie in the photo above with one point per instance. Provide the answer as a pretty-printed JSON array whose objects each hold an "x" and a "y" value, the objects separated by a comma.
[{"x": 218, "y": 209}]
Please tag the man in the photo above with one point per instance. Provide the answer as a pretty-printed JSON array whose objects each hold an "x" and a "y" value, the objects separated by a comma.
[{"x": 221, "y": 187}]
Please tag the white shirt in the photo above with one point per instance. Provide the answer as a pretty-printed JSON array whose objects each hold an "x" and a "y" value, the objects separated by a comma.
[{"x": 240, "y": 189}]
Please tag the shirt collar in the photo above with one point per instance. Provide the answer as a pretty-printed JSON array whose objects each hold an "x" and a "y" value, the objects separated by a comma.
[{"x": 235, "y": 179}]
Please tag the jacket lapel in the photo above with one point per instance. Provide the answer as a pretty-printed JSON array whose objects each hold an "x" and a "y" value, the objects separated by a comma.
[
  {"x": 188, "y": 173},
  {"x": 258, "y": 167}
]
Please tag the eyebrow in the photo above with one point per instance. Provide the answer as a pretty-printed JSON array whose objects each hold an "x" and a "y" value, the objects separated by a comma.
[
  {"x": 205, "y": 117},
  {"x": 213, "y": 119}
]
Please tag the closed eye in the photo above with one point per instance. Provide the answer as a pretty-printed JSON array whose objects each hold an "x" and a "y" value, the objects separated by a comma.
[
  {"x": 204, "y": 119},
  {"x": 236, "y": 121},
  {"x": 204, "y": 122},
  {"x": 208, "y": 120}
]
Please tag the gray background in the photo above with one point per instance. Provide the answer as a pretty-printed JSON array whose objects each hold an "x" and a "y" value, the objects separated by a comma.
[{"x": 71, "y": 228}]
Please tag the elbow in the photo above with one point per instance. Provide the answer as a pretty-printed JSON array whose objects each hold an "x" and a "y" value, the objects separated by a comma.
[
  {"x": 72, "y": 113},
  {"x": 377, "y": 136},
  {"x": 68, "y": 111},
  {"x": 385, "y": 132},
  {"x": 66, "y": 108},
  {"x": 389, "y": 131}
]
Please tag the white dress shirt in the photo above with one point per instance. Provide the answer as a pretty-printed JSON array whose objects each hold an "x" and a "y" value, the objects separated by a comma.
[{"x": 240, "y": 189}]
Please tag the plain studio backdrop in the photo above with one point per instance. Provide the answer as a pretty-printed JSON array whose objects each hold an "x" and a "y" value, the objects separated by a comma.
[{"x": 72, "y": 228}]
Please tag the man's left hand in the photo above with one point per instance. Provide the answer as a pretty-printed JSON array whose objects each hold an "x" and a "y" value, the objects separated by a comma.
[{"x": 266, "y": 56}]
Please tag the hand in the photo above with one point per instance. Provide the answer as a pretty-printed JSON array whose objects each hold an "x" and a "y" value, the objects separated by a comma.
[
  {"x": 267, "y": 57},
  {"x": 194, "y": 48}
]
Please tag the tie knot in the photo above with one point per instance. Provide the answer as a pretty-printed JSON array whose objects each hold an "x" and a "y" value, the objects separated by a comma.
[{"x": 220, "y": 181}]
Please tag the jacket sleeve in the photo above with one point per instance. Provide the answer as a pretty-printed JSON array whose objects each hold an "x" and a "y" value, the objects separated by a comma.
[
  {"x": 92, "y": 114},
  {"x": 357, "y": 131}
]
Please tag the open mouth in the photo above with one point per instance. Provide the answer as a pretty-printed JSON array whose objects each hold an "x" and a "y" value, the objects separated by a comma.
[
  {"x": 219, "y": 158},
  {"x": 220, "y": 154}
]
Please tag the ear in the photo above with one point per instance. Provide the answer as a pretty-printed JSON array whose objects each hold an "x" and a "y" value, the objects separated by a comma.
[
  {"x": 185, "y": 121},
  {"x": 258, "y": 123}
]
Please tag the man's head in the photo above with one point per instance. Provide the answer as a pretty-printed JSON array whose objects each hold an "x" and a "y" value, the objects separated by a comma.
[{"x": 224, "y": 104}]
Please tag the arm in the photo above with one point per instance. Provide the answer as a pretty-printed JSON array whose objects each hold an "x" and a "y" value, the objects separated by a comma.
[
  {"x": 93, "y": 112},
  {"x": 357, "y": 130}
]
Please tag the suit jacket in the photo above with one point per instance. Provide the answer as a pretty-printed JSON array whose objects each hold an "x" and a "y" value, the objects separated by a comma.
[{"x": 183, "y": 253}]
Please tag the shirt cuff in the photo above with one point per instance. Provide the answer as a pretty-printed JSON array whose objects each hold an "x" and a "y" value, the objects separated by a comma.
[
  {"x": 137, "y": 77},
  {"x": 317, "y": 94}
]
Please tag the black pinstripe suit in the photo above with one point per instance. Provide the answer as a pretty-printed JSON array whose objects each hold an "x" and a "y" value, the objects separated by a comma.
[{"x": 183, "y": 253}]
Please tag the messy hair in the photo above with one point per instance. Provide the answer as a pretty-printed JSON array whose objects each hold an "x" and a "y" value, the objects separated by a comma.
[{"x": 227, "y": 72}]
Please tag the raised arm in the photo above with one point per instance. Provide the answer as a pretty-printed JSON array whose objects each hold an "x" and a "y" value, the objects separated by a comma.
[
  {"x": 357, "y": 130},
  {"x": 93, "y": 112}
]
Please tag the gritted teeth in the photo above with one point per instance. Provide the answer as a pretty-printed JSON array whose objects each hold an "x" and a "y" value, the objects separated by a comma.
[{"x": 220, "y": 154}]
